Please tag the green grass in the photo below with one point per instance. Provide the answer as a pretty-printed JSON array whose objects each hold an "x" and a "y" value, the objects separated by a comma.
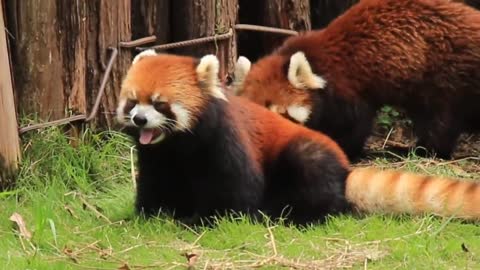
[{"x": 76, "y": 198}]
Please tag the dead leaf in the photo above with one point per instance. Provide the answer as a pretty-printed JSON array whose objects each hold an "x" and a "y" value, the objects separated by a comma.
[
  {"x": 124, "y": 267},
  {"x": 191, "y": 259},
  {"x": 70, "y": 211},
  {"x": 22, "y": 227},
  {"x": 69, "y": 252}
]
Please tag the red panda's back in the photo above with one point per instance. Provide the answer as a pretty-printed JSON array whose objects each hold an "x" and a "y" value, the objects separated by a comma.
[
  {"x": 390, "y": 45},
  {"x": 266, "y": 133}
]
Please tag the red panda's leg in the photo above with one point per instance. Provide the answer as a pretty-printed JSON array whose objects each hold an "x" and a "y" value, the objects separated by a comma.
[
  {"x": 437, "y": 134},
  {"x": 306, "y": 183}
]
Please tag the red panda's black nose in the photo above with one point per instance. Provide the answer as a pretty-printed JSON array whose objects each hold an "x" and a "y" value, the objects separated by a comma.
[{"x": 139, "y": 120}]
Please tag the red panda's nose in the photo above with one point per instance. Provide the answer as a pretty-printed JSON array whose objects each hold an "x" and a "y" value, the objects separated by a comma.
[{"x": 139, "y": 120}]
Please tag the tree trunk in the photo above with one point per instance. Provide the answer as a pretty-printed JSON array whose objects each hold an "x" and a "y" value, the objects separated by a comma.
[
  {"x": 9, "y": 142},
  {"x": 151, "y": 17},
  {"x": 114, "y": 26},
  {"x": 60, "y": 54},
  {"x": 287, "y": 14},
  {"x": 324, "y": 11},
  {"x": 202, "y": 18},
  {"x": 226, "y": 17},
  {"x": 193, "y": 19}
]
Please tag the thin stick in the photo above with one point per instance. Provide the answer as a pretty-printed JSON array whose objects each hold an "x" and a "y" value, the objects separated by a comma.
[
  {"x": 132, "y": 169},
  {"x": 272, "y": 241}
]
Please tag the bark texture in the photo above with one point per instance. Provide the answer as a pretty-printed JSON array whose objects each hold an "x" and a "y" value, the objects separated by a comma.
[
  {"x": 201, "y": 18},
  {"x": 287, "y": 14},
  {"x": 60, "y": 53},
  {"x": 9, "y": 142}
]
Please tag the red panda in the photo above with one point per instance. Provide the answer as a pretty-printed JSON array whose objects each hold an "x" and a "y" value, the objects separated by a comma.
[
  {"x": 422, "y": 56},
  {"x": 202, "y": 152}
]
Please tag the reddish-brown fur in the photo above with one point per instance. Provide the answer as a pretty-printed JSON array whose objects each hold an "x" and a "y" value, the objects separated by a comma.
[
  {"x": 266, "y": 134},
  {"x": 420, "y": 55}
]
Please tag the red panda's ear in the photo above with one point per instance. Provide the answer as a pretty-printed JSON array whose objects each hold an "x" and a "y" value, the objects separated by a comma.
[
  {"x": 242, "y": 67},
  {"x": 207, "y": 75},
  {"x": 143, "y": 54},
  {"x": 300, "y": 73}
]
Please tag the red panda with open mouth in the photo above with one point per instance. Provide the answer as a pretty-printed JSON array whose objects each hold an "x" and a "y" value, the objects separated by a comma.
[
  {"x": 203, "y": 152},
  {"x": 422, "y": 56}
]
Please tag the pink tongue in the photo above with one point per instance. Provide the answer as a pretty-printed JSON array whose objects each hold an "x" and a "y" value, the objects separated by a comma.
[{"x": 146, "y": 136}]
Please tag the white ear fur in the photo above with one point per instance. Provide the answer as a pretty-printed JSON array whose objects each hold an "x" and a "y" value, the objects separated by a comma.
[
  {"x": 149, "y": 52},
  {"x": 207, "y": 73},
  {"x": 242, "y": 67},
  {"x": 300, "y": 73}
]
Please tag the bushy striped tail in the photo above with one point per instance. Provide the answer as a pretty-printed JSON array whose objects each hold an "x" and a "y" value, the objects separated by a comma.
[{"x": 377, "y": 191}]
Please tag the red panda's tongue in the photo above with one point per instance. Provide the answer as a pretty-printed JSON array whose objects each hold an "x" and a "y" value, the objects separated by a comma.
[{"x": 146, "y": 136}]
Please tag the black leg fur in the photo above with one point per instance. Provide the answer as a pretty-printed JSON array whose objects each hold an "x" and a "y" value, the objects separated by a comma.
[
  {"x": 199, "y": 174},
  {"x": 437, "y": 135},
  {"x": 306, "y": 182},
  {"x": 349, "y": 123}
]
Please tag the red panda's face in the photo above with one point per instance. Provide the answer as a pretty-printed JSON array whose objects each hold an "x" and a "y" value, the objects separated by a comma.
[
  {"x": 164, "y": 94},
  {"x": 279, "y": 83}
]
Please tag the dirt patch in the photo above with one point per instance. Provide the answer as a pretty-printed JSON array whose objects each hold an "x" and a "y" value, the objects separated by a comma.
[{"x": 400, "y": 139}]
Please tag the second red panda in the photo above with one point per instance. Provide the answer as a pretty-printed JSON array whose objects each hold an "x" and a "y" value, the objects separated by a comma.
[{"x": 420, "y": 55}]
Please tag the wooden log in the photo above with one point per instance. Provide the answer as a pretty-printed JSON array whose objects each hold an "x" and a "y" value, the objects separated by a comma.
[
  {"x": 287, "y": 14},
  {"x": 9, "y": 142},
  {"x": 193, "y": 19},
  {"x": 226, "y": 18},
  {"x": 201, "y": 18},
  {"x": 114, "y": 26},
  {"x": 60, "y": 55},
  {"x": 151, "y": 17},
  {"x": 324, "y": 11}
]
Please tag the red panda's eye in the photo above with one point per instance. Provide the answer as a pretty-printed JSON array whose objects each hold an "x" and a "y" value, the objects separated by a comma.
[
  {"x": 160, "y": 106},
  {"x": 268, "y": 103},
  {"x": 129, "y": 105}
]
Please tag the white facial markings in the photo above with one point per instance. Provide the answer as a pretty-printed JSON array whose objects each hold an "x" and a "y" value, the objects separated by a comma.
[
  {"x": 154, "y": 118},
  {"x": 120, "y": 109},
  {"x": 299, "y": 113},
  {"x": 182, "y": 115}
]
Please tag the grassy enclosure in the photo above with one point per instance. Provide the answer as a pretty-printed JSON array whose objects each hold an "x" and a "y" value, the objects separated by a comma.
[
  {"x": 72, "y": 204},
  {"x": 77, "y": 203}
]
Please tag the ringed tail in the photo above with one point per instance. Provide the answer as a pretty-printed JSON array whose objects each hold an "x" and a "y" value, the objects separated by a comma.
[{"x": 377, "y": 191}]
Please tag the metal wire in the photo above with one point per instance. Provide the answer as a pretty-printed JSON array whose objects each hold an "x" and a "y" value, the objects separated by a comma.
[
  {"x": 62, "y": 121},
  {"x": 267, "y": 29},
  {"x": 94, "y": 112},
  {"x": 137, "y": 42},
  {"x": 190, "y": 42}
]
